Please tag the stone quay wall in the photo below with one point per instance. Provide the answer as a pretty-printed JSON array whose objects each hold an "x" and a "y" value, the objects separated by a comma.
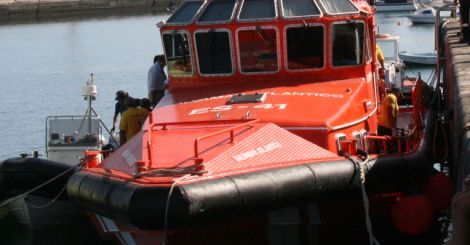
[{"x": 30, "y": 10}]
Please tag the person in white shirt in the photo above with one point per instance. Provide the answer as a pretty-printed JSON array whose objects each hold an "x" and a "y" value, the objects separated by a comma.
[{"x": 156, "y": 80}]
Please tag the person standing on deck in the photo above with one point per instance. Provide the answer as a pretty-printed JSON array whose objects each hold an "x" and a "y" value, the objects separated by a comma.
[
  {"x": 156, "y": 80},
  {"x": 132, "y": 120},
  {"x": 388, "y": 114},
  {"x": 120, "y": 107}
]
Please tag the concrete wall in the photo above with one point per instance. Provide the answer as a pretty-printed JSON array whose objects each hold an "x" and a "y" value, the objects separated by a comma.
[
  {"x": 24, "y": 10},
  {"x": 457, "y": 79}
]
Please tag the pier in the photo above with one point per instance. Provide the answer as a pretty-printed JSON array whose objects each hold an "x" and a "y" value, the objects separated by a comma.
[
  {"x": 457, "y": 80},
  {"x": 455, "y": 57},
  {"x": 35, "y": 10}
]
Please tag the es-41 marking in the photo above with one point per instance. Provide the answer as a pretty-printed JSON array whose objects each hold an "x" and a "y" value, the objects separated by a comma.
[{"x": 231, "y": 107}]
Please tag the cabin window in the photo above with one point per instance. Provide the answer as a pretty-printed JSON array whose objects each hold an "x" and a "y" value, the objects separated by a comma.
[
  {"x": 339, "y": 6},
  {"x": 218, "y": 10},
  {"x": 178, "y": 54},
  {"x": 348, "y": 39},
  {"x": 299, "y": 8},
  {"x": 186, "y": 12},
  {"x": 305, "y": 47},
  {"x": 257, "y": 9},
  {"x": 213, "y": 52},
  {"x": 258, "y": 50}
]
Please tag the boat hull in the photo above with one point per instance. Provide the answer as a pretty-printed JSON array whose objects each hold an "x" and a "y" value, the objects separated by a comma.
[
  {"x": 422, "y": 20},
  {"x": 417, "y": 58},
  {"x": 40, "y": 213},
  {"x": 48, "y": 206}
]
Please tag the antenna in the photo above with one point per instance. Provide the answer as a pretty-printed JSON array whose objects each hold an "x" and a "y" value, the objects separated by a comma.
[{"x": 89, "y": 94}]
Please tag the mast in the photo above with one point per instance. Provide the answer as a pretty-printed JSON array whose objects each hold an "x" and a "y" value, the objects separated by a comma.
[{"x": 89, "y": 94}]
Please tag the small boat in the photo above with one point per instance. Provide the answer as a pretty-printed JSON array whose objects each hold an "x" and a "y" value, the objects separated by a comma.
[
  {"x": 67, "y": 138},
  {"x": 395, "y": 5},
  {"x": 418, "y": 58},
  {"x": 425, "y": 15}
]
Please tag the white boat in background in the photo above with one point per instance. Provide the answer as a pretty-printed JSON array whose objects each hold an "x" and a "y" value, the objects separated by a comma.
[
  {"x": 396, "y": 5},
  {"x": 393, "y": 65},
  {"x": 426, "y": 15},
  {"x": 418, "y": 58},
  {"x": 67, "y": 138}
]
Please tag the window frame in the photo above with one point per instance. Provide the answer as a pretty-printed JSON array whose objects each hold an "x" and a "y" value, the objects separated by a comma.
[
  {"x": 368, "y": 48},
  {"x": 231, "y": 51},
  {"x": 286, "y": 55},
  {"x": 191, "y": 56},
  {"x": 278, "y": 49},
  {"x": 242, "y": 4},
  {"x": 301, "y": 17},
  {"x": 332, "y": 33}
]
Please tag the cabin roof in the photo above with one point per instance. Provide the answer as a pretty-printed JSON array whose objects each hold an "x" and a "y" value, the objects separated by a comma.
[{"x": 224, "y": 11}]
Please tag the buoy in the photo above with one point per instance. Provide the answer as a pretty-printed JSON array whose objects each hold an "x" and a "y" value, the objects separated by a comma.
[
  {"x": 438, "y": 188},
  {"x": 412, "y": 215}
]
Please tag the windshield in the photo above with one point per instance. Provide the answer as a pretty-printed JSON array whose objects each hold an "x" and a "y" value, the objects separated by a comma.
[
  {"x": 348, "y": 45},
  {"x": 178, "y": 54}
]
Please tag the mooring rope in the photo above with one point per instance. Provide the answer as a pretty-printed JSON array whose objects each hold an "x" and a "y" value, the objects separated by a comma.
[
  {"x": 360, "y": 169},
  {"x": 47, "y": 204},
  {"x": 165, "y": 224},
  {"x": 10, "y": 200}
]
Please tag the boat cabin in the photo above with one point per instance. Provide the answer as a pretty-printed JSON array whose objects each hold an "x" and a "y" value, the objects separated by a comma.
[
  {"x": 294, "y": 53},
  {"x": 248, "y": 40}
]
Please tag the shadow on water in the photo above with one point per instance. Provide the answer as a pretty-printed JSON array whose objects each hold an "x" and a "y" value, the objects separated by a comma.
[{"x": 14, "y": 232}]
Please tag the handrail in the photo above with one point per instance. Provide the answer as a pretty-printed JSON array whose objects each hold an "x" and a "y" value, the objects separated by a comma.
[
  {"x": 231, "y": 129},
  {"x": 165, "y": 125},
  {"x": 386, "y": 138},
  {"x": 198, "y": 161}
]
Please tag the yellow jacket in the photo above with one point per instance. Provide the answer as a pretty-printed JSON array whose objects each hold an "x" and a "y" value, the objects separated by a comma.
[
  {"x": 132, "y": 120},
  {"x": 389, "y": 111}
]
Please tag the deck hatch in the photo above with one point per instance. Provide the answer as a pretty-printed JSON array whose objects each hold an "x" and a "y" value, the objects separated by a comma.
[
  {"x": 186, "y": 13},
  {"x": 247, "y": 98}
]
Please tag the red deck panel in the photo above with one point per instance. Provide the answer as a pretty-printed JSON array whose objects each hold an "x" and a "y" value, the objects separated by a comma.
[{"x": 269, "y": 146}]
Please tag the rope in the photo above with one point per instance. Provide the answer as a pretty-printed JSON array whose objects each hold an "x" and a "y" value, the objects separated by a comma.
[
  {"x": 360, "y": 169},
  {"x": 8, "y": 201},
  {"x": 47, "y": 204},
  {"x": 165, "y": 227},
  {"x": 168, "y": 172}
]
